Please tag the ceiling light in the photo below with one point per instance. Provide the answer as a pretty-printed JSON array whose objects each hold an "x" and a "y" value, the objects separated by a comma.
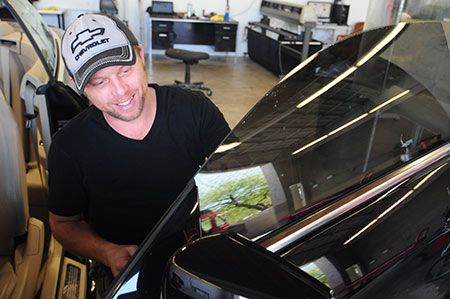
[
  {"x": 399, "y": 27},
  {"x": 389, "y": 101},
  {"x": 327, "y": 87},
  {"x": 227, "y": 147},
  {"x": 348, "y": 124},
  {"x": 300, "y": 66},
  {"x": 310, "y": 144}
]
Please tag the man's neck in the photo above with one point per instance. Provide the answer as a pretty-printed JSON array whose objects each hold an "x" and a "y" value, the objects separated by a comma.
[{"x": 136, "y": 129}]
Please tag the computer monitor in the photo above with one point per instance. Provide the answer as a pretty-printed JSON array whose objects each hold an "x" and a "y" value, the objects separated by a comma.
[{"x": 162, "y": 7}]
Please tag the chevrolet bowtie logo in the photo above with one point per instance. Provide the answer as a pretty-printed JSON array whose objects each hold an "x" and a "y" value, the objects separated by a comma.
[{"x": 85, "y": 36}]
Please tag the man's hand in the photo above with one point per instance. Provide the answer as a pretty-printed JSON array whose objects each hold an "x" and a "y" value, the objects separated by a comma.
[
  {"x": 76, "y": 236},
  {"x": 118, "y": 255}
]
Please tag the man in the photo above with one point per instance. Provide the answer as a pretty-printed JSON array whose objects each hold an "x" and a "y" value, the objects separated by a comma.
[{"x": 117, "y": 166}]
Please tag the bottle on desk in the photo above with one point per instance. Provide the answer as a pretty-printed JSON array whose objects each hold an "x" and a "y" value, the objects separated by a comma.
[
  {"x": 189, "y": 10},
  {"x": 227, "y": 11}
]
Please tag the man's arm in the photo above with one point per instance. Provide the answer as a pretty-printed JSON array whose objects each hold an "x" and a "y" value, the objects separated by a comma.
[{"x": 75, "y": 235}]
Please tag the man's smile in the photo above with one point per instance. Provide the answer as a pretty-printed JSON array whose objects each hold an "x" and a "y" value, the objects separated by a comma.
[{"x": 125, "y": 103}]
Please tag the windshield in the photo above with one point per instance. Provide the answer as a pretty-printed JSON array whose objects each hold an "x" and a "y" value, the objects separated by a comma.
[
  {"x": 37, "y": 32},
  {"x": 347, "y": 115}
]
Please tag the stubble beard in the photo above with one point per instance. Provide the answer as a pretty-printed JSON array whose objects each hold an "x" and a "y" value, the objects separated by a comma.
[{"x": 125, "y": 118}]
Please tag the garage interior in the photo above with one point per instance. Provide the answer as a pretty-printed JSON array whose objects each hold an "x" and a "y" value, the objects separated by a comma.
[{"x": 239, "y": 77}]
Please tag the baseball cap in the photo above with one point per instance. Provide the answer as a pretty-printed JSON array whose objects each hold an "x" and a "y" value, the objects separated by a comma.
[{"x": 93, "y": 42}]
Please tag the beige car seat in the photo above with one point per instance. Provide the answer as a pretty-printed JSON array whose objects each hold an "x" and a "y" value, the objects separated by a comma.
[{"x": 21, "y": 237}]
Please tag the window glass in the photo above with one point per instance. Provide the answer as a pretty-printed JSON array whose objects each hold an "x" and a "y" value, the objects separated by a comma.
[
  {"x": 38, "y": 33},
  {"x": 346, "y": 116},
  {"x": 206, "y": 224},
  {"x": 219, "y": 221},
  {"x": 360, "y": 110},
  {"x": 242, "y": 195},
  {"x": 313, "y": 270}
]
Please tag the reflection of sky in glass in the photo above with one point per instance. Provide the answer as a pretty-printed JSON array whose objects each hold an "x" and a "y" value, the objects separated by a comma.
[
  {"x": 308, "y": 267},
  {"x": 129, "y": 286},
  {"x": 207, "y": 181},
  {"x": 38, "y": 29}
]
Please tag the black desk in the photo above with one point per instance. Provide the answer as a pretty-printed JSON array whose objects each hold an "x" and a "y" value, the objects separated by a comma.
[{"x": 167, "y": 31}]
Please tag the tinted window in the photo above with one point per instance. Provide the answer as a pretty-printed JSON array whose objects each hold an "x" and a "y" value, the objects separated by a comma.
[
  {"x": 38, "y": 33},
  {"x": 347, "y": 116}
]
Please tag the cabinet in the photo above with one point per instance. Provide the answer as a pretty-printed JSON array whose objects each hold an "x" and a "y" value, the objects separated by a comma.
[
  {"x": 225, "y": 37},
  {"x": 165, "y": 32},
  {"x": 162, "y": 34}
]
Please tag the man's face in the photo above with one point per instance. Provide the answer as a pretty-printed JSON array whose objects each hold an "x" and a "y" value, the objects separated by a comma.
[{"x": 119, "y": 91}]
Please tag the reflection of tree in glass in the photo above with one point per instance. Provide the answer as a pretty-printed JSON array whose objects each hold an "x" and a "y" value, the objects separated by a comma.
[
  {"x": 239, "y": 198},
  {"x": 317, "y": 274}
]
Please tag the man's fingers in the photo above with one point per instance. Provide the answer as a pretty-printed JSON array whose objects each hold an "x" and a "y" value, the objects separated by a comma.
[
  {"x": 132, "y": 249},
  {"x": 121, "y": 256}
]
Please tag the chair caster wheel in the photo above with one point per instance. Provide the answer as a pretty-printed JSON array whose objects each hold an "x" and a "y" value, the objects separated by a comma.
[{"x": 209, "y": 93}]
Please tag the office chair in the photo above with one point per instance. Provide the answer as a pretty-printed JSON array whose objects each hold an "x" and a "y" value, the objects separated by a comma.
[{"x": 188, "y": 58}]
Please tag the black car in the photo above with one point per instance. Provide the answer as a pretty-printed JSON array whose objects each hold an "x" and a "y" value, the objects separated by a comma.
[{"x": 336, "y": 184}]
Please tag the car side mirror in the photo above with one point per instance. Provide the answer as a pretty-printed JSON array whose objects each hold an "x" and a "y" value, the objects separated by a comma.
[{"x": 230, "y": 266}]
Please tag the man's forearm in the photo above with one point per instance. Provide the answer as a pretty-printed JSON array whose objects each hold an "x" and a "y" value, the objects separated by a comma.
[{"x": 78, "y": 238}]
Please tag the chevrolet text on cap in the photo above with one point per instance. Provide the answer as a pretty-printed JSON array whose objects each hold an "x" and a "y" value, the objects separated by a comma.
[{"x": 93, "y": 42}]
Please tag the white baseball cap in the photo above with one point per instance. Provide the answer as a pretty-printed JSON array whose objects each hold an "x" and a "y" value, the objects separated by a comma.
[{"x": 93, "y": 42}]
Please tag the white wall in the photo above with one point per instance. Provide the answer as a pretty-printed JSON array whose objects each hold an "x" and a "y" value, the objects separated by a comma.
[
  {"x": 64, "y": 4},
  {"x": 243, "y": 11},
  {"x": 71, "y": 8},
  {"x": 358, "y": 11}
]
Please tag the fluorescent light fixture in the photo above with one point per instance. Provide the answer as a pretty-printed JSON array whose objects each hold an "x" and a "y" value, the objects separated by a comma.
[
  {"x": 428, "y": 176},
  {"x": 327, "y": 87},
  {"x": 348, "y": 124},
  {"x": 399, "y": 27},
  {"x": 379, "y": 217},
  {"x": 389, "y": 101},
  {"x": 194, "y": 208},
  {"x": 227, "y": 147},
  {"x": 361, "y": 231},
  {"x": 376, "y": 219},
  {"x": 310, "y": 144},
  {"x": 300, "y": 66},
  {"x": 395, "y": 204},
  {"x": 331, "y": 133}
]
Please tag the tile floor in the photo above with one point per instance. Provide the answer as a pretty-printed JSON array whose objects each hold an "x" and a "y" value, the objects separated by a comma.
[{"x": 236, "y": 86}]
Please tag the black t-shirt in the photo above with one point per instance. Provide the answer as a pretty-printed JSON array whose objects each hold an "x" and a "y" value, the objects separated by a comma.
[{"x": 123, "y": 186}]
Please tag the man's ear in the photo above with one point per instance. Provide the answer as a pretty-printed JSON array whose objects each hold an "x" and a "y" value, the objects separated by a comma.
[
  {"x": 71, "y": 79},
  {"x": 141, "y": 52},
  {"x": 84, "y": 93}
]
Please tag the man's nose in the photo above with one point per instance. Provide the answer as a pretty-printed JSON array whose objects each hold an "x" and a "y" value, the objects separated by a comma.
[{"x": 120, "y": 87}]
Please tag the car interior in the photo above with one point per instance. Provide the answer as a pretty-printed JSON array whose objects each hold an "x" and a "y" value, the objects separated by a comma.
[{"x": 30, "y": 259}]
